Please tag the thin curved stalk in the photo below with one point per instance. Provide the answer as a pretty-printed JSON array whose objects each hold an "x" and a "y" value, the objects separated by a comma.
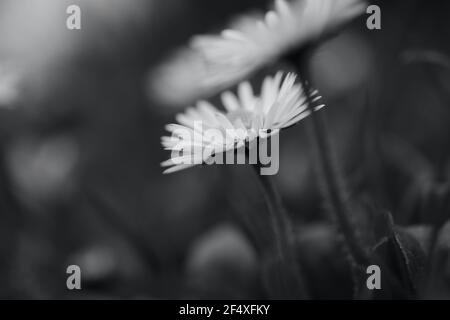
[
  {"x": 334, "y": 183},
  {"x": 282, "y": 229}
]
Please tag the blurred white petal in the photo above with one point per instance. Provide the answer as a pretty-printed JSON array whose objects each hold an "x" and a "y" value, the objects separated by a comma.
[
  {"x": 9, "y": 85},
  {"x": 214, "y": 62},
  {"x": 43, "y": 169}
]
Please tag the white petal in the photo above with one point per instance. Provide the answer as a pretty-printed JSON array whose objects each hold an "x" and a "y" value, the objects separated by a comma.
[
  {"x": 224, "y": 122},
  {"x": 272, "y": 19},
  {"x": 233, "y": 35},
  {"x": 301, "y": 116},
  {"x": 268, "y": 94},
  {"x": 208, "y": 112},
  {"x": 246, "y": 96},
  {"x": 178, "y": 168},
  {"x": 230, "y": 101},
  {"x": 282, "y": 7}
]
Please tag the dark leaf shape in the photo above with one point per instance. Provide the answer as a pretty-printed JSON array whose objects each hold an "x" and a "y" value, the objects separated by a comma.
[
  {"x": 436, "y": 285},
  {"x": 402, "y": 261},
  {"x": 422, "y": 233},
  {"x": 412, "y": 256}
]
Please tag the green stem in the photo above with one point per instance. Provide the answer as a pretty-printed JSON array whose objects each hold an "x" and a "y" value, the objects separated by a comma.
[
  {"x": 282, "y": 231},
  {"x": 281, "y": 228},
  {"x": 334, "y": 186}
]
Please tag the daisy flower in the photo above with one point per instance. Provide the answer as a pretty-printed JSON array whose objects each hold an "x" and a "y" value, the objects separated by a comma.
[
  {"x": 214, "y": 62},
  {"x": 204, "y": 132}
]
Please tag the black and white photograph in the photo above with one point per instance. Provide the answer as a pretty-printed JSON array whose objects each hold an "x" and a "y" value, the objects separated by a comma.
[{"x": 226, "y": 155}]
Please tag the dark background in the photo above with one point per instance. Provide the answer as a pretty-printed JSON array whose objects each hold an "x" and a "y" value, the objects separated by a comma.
[{"x": 80, "y": 181}]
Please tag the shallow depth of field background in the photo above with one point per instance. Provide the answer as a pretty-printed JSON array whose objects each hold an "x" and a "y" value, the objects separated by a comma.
[{"x": 80, "y": 181}]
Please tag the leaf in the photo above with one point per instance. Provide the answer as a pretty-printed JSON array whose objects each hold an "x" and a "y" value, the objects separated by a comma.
[
  {"x": 402, "y": 260},
  {"x": 413, "y": 258},
  {"x": 437, "y": 284},
  {"x": 422, "y": 234}
]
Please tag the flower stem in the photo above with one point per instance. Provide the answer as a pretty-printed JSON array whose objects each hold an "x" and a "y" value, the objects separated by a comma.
[
  {"x": 282, "y": 233},
  {"x": 334, "y": 186},
  {"x": 281, "y": 229}
]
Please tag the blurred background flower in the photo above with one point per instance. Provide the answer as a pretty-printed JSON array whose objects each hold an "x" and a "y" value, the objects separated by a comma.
[
  {"x": 9, "y": 85},
  {"x": 219, "y": 61},
  {"x": 43, "y": 170}
]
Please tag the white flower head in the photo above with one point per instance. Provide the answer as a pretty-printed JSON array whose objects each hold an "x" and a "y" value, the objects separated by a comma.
[
  {"x": 9, "y": 85},
  {"x": 204, "y": 131},
  {"x": 214, "y": 62}
]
